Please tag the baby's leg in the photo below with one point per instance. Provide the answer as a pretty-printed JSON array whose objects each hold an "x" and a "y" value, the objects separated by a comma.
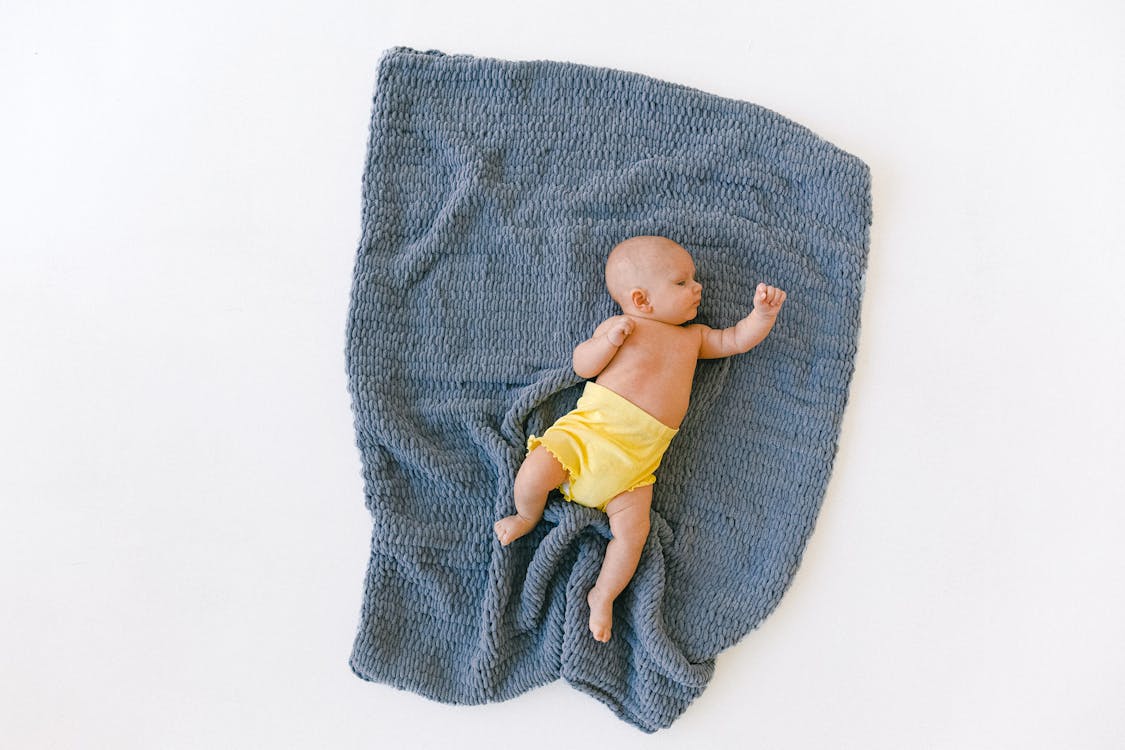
[
  {"x": 538, "y": 475},
  {"x": 629, "y": 521}
]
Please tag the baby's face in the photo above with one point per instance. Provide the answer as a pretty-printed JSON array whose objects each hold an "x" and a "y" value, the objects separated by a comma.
[{"x": 672, "y": 289}]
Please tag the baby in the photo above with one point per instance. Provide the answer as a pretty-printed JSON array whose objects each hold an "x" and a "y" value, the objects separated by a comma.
[{"x": 604, "y": 453}]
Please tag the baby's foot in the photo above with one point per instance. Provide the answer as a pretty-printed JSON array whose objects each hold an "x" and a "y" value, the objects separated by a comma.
[
  {"x": 512, "y": 528},
  {"x": 601, "y": 615}
]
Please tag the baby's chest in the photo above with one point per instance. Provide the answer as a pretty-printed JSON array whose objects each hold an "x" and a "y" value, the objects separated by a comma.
[{"x": 676, "y": 346}]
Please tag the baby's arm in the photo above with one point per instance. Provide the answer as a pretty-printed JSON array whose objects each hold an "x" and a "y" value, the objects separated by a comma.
[
  {"x": 748, "y": 332},
  {"x": 593, "y": 354}
]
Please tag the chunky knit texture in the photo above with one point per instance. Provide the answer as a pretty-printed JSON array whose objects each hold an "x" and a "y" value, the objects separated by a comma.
[{"x": 493, "y": 193}]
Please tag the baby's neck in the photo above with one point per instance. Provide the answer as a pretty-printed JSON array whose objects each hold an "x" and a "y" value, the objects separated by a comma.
[{"x": 642, "y": 317}]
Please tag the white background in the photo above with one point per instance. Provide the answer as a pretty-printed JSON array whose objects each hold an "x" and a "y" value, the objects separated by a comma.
[{"x": 183, "y": 538}]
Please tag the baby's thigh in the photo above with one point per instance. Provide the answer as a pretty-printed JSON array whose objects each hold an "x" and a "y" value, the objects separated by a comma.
[{"x": 541, "y": 470}]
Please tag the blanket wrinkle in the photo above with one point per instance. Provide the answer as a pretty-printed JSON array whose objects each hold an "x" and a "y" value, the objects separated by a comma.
[
  {"x": 534, "y": 397},
  {"x": 492, "y": 192},
  {"x": 565, "y": 526}
]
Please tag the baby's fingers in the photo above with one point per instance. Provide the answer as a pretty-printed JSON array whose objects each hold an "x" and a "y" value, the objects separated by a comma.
[
  {"x": 769, "y": 296},
  {"x": 621, "y": 332}
]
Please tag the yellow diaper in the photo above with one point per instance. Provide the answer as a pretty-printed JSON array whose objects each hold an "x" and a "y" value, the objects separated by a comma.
[{"x": 608, "y": 445}]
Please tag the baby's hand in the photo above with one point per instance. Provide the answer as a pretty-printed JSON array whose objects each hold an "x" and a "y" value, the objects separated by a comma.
[
  {"x": 768, "y": 300},
  {"x": 620, "y": 330}
]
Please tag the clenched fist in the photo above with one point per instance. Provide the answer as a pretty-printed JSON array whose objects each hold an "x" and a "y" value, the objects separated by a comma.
[
  {"x": 768, "y": 300},
  {"x": 620, "y": 330}
]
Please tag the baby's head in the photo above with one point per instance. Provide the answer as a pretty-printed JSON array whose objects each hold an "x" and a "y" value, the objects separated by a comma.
[{"x": 653, "y": 277}]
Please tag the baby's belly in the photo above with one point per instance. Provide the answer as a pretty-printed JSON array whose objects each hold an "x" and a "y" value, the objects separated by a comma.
[{"x": 665, "y": 398}]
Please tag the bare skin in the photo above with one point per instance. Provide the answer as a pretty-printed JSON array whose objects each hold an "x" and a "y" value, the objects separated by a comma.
[{"x": 648, "y": 356}]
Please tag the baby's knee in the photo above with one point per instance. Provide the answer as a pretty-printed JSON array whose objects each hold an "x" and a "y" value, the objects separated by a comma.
[{"x": 632, "y": 528}]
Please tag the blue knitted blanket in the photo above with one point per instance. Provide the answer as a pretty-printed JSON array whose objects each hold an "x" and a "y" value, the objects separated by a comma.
[{"x": 492, "y": 194}]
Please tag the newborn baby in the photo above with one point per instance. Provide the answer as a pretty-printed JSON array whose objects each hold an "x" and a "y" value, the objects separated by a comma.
[{"x": 604, "y": 453}]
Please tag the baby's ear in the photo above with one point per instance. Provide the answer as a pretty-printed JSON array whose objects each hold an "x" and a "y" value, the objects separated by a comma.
[{"x": 639, "y": 299}]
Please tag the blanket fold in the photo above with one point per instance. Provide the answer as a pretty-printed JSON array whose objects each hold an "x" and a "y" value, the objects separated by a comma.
[{"x": 492, "y": 193}]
